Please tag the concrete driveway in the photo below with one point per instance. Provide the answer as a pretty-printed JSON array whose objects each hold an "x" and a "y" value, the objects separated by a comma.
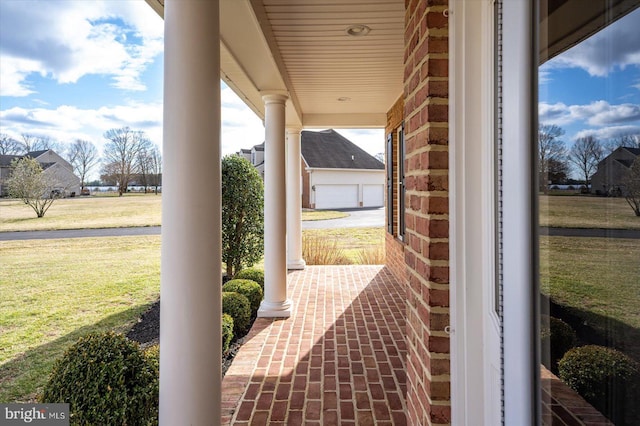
[{"x": 358, "y": 218}]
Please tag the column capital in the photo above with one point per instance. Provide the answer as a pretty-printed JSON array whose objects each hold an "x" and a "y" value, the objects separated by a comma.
[
  {"x": 294, "y": 129},
  {"x": 274, "y": 96}
]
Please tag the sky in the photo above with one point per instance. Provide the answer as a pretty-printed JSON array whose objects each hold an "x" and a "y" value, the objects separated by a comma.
[
  {"x": 75, "y": 69},
  {"x": 593, "y": 89}
]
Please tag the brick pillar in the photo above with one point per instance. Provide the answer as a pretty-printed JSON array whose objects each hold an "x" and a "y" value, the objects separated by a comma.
[{"x": 427, "y": 219}]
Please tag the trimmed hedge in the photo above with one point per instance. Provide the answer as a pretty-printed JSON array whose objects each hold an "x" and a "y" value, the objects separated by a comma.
[
  {"x": 253, "y": 274},
  {"x": 249, "y": 288},
  {"x": 106, "y": 379},
  {"x": 557, "y": 337},
  {"x": 227, "y": 332},
  {"x": 238, "y": 307},
  {"x": 606, "y": 378}
]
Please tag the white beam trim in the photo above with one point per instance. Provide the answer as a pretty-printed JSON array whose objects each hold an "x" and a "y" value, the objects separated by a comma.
[{"x": 345, "y": 121}]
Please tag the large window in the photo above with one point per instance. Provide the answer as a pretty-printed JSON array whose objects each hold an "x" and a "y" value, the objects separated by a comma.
[{"x": 588, "y": 189}]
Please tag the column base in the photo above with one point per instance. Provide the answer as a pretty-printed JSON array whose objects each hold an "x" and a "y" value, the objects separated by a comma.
[
  {"x": 275, "y": 310},
  {"x": 296, "y": 264}
]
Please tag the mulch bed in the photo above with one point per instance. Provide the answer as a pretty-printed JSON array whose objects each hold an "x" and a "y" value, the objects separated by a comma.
[{"x": 147, "y": 333}]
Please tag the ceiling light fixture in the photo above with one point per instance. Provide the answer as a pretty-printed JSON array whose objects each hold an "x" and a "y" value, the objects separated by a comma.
[{"x": 357, "y": 30}]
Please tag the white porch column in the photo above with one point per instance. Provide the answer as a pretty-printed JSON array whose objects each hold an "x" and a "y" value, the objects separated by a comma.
[
  {"x": 294, "y": 201},
  {"x": 190, "y": 354},
  {"x": 275, "y": 303}
]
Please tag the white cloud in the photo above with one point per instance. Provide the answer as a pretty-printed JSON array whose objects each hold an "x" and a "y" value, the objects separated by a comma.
[
  {"x": 66, "y": 123},
  {"x": 609, "y": 132},
  {"x": 67, "y": 40},
  {"x": 597, "y": 113},
  {"x": 614, "y": 47}
]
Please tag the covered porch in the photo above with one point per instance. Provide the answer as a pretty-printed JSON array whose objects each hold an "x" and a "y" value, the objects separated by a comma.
[{"x": 339, "y": 359}]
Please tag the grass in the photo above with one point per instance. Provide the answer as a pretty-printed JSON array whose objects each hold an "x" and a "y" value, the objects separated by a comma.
[
  {"x": 348, "y": 242},
  {"x": 83, "y": 213},
  {"x": 598, "y": 279},
  {"x": 587, "y": 212},
  {"x": 311, "y": 215},
  {"x": 53, "y": 291}
]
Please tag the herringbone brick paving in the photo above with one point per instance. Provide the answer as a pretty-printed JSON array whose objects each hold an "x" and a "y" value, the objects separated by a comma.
[{"x": 339, "y": 359}]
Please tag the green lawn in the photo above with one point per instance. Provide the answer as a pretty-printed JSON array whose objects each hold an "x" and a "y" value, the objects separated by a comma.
[
  {"x": 598, "y": 279},
  {"x": 83, "y": 212},
  {"x": 586, "y": 212},
  {"x": 103, "y": 211},
  {"x": 53, "y": 291}
]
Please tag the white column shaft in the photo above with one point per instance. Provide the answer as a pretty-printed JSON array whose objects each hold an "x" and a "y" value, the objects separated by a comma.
[
  {"x": 275, "y": 303},
  {"x": 294, "y": 201},
  {"x": 190, "y": 353}
]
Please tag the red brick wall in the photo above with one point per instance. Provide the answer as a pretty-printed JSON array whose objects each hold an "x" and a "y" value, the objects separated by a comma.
[
  {"x": 427, "y": 226},
  {"x": 305, "y": 185}
]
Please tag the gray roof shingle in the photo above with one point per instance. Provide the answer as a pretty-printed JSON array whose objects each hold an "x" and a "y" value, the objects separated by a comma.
[{"x": 328, "y": 149}]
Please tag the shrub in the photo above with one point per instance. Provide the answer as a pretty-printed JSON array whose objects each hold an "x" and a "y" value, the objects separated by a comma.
[
  {"x": 248, "y": 288},
  {"x": 557, "y": 337},
  {"x": 606, "y": 378},
  {"x": 242, "y": 214},
  {"x": 106, "y": 379},
  {"x": 227, "y": 332},
  {"x": 238, "y": 307},
  {"x": 323, "y": 251},
  {"x": 371, "y": 255},
  {"x": 253, "y": 274}
]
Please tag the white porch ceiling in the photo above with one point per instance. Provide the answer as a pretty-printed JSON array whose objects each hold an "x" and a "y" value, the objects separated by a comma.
[{"x": 302, "y": 47}]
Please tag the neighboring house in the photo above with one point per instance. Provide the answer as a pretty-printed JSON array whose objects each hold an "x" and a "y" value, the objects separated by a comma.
[
  {"x": 336, "y": 173},
  {"x": 608, "y": 179},
  {"x": 67, "y": 183}
]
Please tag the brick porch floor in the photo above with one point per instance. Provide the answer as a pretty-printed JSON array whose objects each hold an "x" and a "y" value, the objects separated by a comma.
[{"x": 339, "y": 359}]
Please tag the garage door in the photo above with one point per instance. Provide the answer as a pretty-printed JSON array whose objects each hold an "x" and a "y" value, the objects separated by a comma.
[
  {"x": 373, "y": 195},
  {"x": 336, "y": 196}
]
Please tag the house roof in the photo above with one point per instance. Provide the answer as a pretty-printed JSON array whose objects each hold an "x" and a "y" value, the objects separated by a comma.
[
  {"x": 626, "y": 163},
  {"x": 5, "y": 160},
  {"x": 634, "y": 151},
  {"x": 36, "y": 154},
  {"x": 328, "y": 149}
]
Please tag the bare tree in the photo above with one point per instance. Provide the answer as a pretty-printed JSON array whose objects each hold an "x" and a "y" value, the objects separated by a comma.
[
  {"x": 632, "y": 186},
  {"x": 550, "y": 149},
  {"x": 143, "y": 163},
  {"x": 9, "y": 146},
  {"x": 151, "y": 169},
  {"x": 83, "y": 156},
  {"x": 120, "y": 154},
  {"x": 32, "y": 143},
  {"x": 29, "y": 183},
  {"x": 585, "y": 154},
  {"x": 628, "y": 140}
]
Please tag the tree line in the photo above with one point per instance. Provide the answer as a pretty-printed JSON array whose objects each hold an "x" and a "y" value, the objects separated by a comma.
[
  {"x": 556, "y": 159},
  {"x": 128, "y": 156}
]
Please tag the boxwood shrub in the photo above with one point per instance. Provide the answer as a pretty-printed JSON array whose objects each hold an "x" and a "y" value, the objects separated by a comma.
[
  {"x": 106, "y": 379},
  {"x": 227, "y": 332},
  {"x": 557, "y": 337},
  {"x": 253, "y": 274},
  {"x": 606, "y": 378},
  {"x": 238, "y": 307},
  {"x": 249, "y": 288}
]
